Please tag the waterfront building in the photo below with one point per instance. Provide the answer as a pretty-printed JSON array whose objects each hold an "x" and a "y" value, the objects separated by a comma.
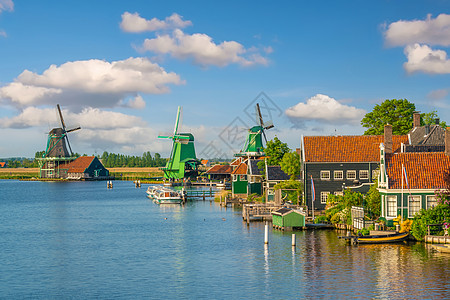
[{"x": 408, "y": 181}]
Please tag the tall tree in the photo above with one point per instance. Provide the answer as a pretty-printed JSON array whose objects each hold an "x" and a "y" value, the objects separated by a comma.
[
  {"x": 398, "y": 113},
  {"x": 430, "y": 119},
  {"x": 275, "y": 150},
  {"x": 290, "y": 164}
]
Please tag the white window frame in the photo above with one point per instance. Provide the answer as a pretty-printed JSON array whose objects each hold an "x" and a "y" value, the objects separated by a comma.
[
  {"x": 336, "y": 175},
  {"x": 243, "y": 178},
  {"x": 339, "y": 193},
  {"x": 429, "y": 202},
  {"x": 362, "y": 173},
  {"x": 375, "y": 173},
  {"x": 391, "y": 206},
  {"x": 325, "y": 175},
  {"x": 351, "y": 172},
  {"x": 324, "y": 197},
  {"x": 414, "y": 205},
  {"x": 235, "y": 177}
]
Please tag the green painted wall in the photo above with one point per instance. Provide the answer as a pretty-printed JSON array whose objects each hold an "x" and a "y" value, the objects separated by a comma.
[
  {"x": 239, "y": 187},
  {"x": 292, "y": 219},
  {"x": 255, "y": 188}
]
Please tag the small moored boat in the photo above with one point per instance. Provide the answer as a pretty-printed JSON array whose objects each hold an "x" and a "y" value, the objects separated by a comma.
[
  {"x": 163, "y": 195},
  {"x": 377, "y": 239}
]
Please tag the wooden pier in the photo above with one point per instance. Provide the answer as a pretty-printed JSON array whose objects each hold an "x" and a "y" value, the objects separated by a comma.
[{"x": 437, "y": 239}]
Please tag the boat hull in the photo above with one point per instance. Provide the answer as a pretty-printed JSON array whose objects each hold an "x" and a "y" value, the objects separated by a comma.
[{"x": 381, "y": 239}]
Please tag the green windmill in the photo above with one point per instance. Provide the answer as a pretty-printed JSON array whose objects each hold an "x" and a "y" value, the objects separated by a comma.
[
  {"x": 182, "y": 161},
  {"x": 254, "y": 145}
]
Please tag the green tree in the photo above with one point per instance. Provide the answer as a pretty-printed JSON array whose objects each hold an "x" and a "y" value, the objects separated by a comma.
[
  {"x": 373, "y": 201},
  {"x": 290, "y": 164},
  {"x": 430, "y": 119},
  {"x": 293, "y": 190},
  {"x": 339, "y": 207},
  {"x": 274, "y": 150},
  {"x": 398, "y": 113}
]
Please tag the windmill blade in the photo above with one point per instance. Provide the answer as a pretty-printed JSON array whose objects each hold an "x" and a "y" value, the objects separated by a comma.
[
  {"x": 61, "y": 117},
  {"x": 73, "y": 129},
  {"x": 261, "y": 122},
  {"x": 68, "y": 144},
  {"x": 264, "y": 134},
  {"x": 178, "y": 119},
  {"x": 165, "y": 137},
  {"x": 268, "y": 125}
]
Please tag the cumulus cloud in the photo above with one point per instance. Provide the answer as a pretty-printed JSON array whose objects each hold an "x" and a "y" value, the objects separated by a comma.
[
  {"x": 203, "y": 51},
  {"x": 421, "y": 58},
  {"x": 429, "y": 31},
  {"x": 323, "y": 108},
  {"x": 135, "y": 23},
  {"x": 94, "y": 82},
  {"x": 6, "y": 5},
  {"x": 3, "y": 33}
]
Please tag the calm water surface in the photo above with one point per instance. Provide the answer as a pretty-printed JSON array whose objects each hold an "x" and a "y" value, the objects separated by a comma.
[{"x": 81, "y": 241}]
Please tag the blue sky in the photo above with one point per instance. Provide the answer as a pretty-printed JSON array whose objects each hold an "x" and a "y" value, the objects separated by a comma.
[{"x": 120, "y": 69}]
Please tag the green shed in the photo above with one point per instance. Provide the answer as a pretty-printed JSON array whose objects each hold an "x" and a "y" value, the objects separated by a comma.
[{"x": 287, "y": 219}]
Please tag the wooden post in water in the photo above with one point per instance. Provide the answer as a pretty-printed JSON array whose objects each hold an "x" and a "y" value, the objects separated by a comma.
[
  {"x": 293, "y": 240},
  {"x": 266, "y": 233}
]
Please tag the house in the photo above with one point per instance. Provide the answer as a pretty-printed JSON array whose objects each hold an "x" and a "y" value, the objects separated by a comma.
[
  {"x": 407, "y": 181},
  {"x": 219, "y": 172},
  {"x": 239, "y": 182},
  {"x": 2, "y": 164},
  {"x": 86, "y": 168},
  {"x": 428, "y": 138},
  {"x": 338, "y": 162},
  {"x": 274, "y": 175}
]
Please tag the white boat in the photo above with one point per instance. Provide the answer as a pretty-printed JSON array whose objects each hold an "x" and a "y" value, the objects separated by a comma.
[{"x": 163, "y": 195}]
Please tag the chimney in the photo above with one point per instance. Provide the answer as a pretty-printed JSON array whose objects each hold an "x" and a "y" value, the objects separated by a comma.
[
  {"x": 388, "y": 138},
  {"x": 447, "y": 141},
  {"x": 416, "y": 119}
]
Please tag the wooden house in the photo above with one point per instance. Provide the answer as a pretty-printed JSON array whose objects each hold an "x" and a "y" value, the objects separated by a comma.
[
  {"x": 428, "y": 138},
  {"x": 288, "y": 219},
  {"x": 408, "y": 181},
  {"x": 274, "y": 175},
  {"x": 86, "y": 168},
  {"x": 219, "y": 172},
  {"x": 239, "y": 178},
  {"x": 338, "y": 162}
]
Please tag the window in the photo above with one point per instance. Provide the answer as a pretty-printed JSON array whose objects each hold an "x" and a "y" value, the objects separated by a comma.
[
  {"x": 338, "y": 175},
  {"x": 364, "y": 174},
  {"x": 235, "y": 177},
  {"x": 324, "y": 175},
  {"x": 414, "y": 205},
  {"x": 431, "y": 201},
  {"x": 341, "y": 193},
  {"x": 351, "y": 175},
  {"x": 391, "y": 206},
  {"x": 324, "y": 197},
  {"x": 243, "y": 177}
]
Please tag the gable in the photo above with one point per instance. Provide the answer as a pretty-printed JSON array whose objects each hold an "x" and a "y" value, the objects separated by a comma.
[
  {"x": 427, "y": 135},
  {"x": 240, "y": 170},
  {"x": 360, "y": 148}
]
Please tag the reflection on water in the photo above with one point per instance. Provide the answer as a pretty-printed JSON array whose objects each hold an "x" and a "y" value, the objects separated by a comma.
[{"x": 80, "y": 240}]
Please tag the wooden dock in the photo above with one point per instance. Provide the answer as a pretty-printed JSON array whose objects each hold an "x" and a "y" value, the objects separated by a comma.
[{"x": 437, "y": 239}]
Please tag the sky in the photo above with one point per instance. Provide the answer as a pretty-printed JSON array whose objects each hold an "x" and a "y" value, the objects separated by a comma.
[{"x": 120, "y": 69}]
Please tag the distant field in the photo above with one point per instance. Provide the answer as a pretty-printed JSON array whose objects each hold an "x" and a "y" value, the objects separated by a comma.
[
  {"x": 135, "y": 170},
  {"x": 19, "y": 170}
]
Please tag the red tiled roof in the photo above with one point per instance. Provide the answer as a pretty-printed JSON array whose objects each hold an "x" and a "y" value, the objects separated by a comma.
[
  {"x": 240, "y": 170},
  {"x": 80, "y": 164},
  {"x": 236, "y": 162},
  {"x": 357, "y": 148},
  {"x": 425, "y": 170},
  {"x": 220, "y": 169},
  {"x": 2, "y": 164}
]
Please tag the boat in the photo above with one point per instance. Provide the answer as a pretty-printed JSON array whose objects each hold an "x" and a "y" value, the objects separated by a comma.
[
  {"x": 377, "y": 239},
  {"x": 441, "y": 248},
  {"x": 162, "y": 195}
]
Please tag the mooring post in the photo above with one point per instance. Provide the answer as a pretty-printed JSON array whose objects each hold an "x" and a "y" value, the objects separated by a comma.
[
  {"x": 293, "y": 240},
  {"x": 266, "y": 233}
]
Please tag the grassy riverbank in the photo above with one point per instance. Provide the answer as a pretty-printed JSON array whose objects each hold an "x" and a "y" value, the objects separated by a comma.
[{"x": 118, "y": 173}]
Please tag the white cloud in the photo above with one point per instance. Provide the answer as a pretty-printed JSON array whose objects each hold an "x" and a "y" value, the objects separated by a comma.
[
  {"x": 94, "y": 82},
  {"x": 202, "y": 50},
  {"x": 429, "y": 31},
  {"x": 421, "y": 58},
  {"x": 135, "y": 23},
  {"x": 323, "y": 108},
  {"x": 3, "y": 33},
  {"x": 437, "y": 94},
  {"x": 6, "y": 5}
]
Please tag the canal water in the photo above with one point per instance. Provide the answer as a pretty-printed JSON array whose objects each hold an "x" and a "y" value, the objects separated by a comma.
[{"x": 79, "y": 240}]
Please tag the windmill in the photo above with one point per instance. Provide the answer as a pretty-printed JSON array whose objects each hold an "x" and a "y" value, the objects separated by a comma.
[
  {"x": 58, "y": 153},
  {"x": 57, "y": 140},
  {"x": 254, "y": 144},
  {"x": 182, "y": 161}
]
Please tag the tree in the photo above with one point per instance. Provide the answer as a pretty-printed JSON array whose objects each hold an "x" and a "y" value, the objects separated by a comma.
[
  {"x": 430, "y": 119},
  {"x": 373, "y": 201},
  {"x": 398, "y": 113},
  {"x": 290, "y": 164},
  {"x": 274, "y": 150}
]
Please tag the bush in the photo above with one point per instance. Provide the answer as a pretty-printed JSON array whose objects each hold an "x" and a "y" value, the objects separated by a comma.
[
  {"x": 320, "y": 219},
  {"x": 435, "y": 215}
]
